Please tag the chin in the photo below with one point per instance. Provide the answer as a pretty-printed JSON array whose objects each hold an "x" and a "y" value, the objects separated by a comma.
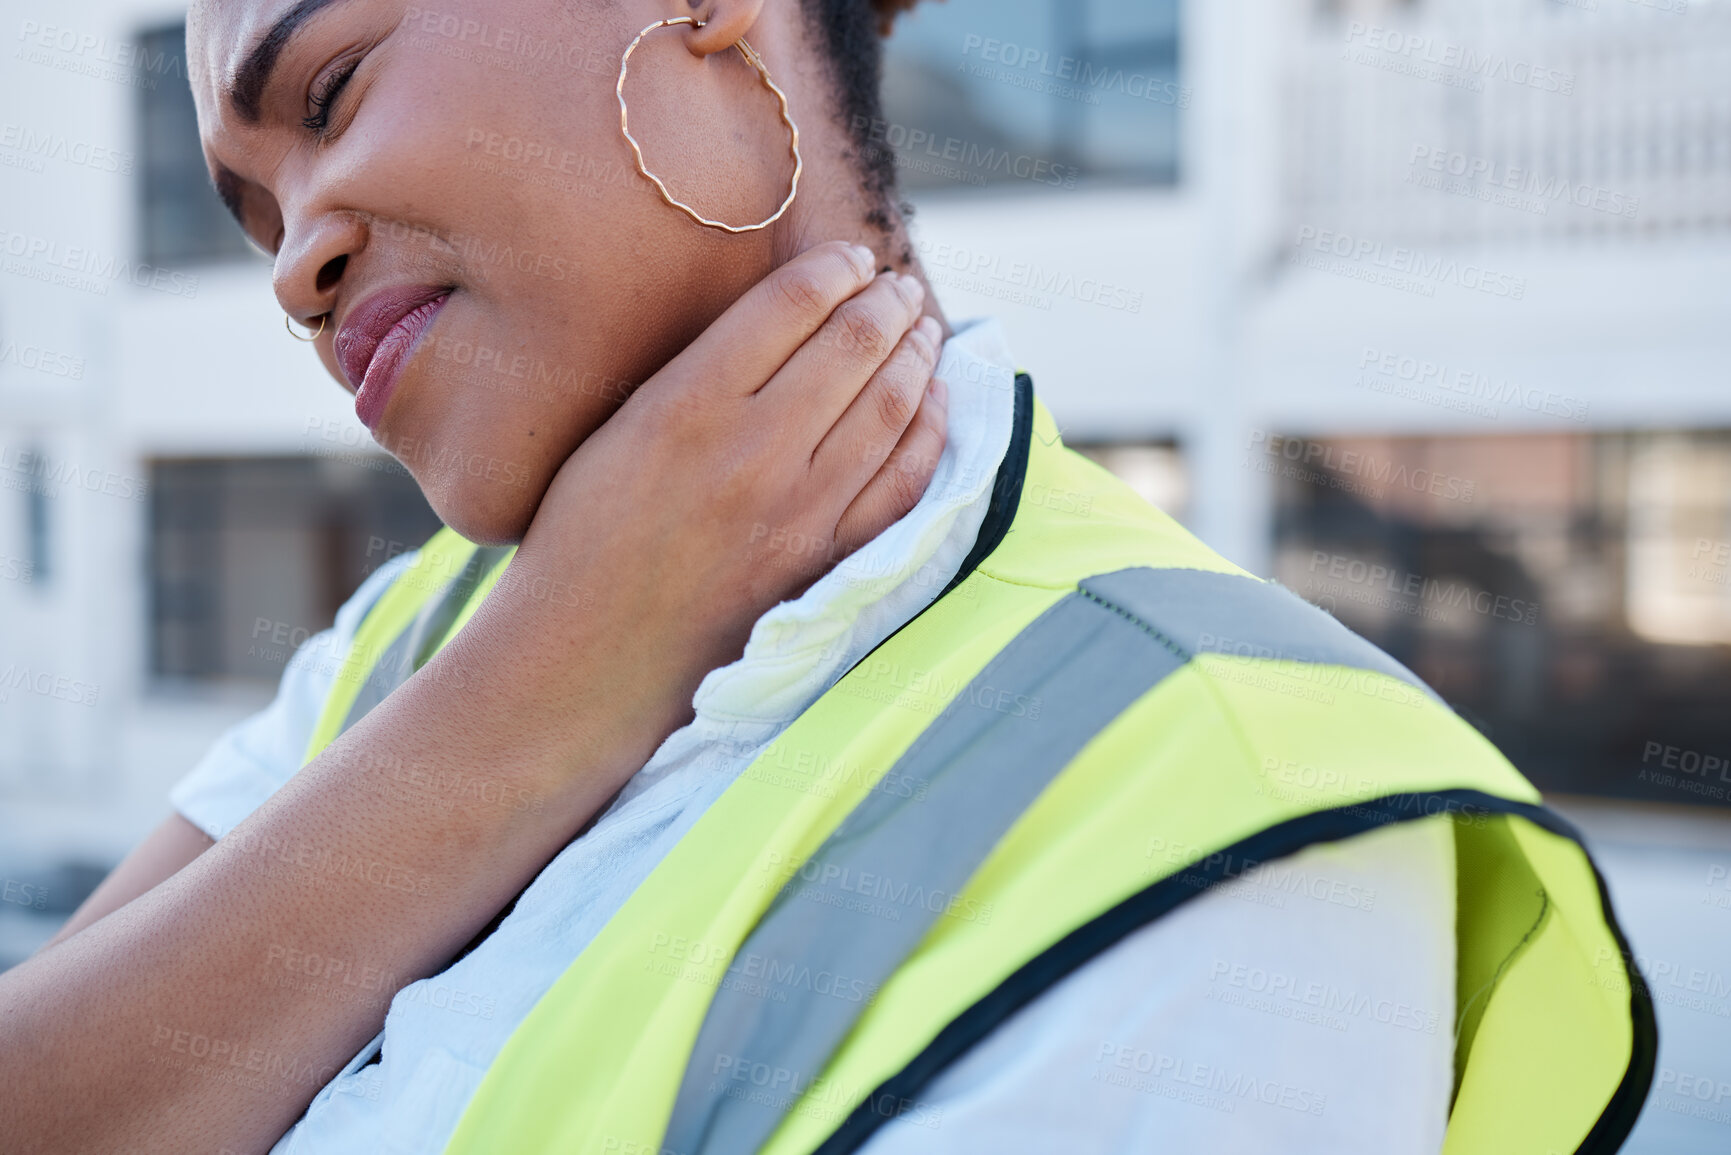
[{"x": 486, "y": 512}]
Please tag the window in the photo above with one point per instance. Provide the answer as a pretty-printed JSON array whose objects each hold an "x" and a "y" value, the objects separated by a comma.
[
  {"x": 251, "y": 556},
  {"x": 1570, "y": 594},
  {"x": 181, "y": 219},
  {"x": 1037, "y": 93}
]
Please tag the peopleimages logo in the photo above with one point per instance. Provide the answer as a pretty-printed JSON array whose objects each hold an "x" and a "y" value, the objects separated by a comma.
[
  {"x": 86, "y": 269},
  {"x": 483, "y": 251},
  {"x": 977, "y": 162},
  {"x": 1420, "y": 51},
  {"x": 24, "y": 894},
  {"x": 1141, "y": 1070},
  {"x": 1366, "y": 259},
  {"x": 514, "y": 49},
  {"x": 36, "y": 471},
  {"x": 1414, "y": 590},
  {"x": 1692, "y": 771},
  {"x": 41, "y": 360},
  {"x": 41, "y": 146},
  {"x": 1467, "y": 390},
  {"x": 1483, "y": 174},
  {"x": 991, "y": 270},
  {"x": 1090, "y": 79},
  {"x": 44, "y": 684},
  {"x": 86, "y": 54},
  {"x": 1316, "y": 461}
]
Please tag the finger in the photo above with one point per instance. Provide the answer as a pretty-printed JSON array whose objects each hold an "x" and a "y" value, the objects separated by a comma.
[
  {"x": 872, "y": 425},
  {"x": 822, "y": 380},
  {"x": 758, "y": 333},
  {"x": 903, "y": 477}
]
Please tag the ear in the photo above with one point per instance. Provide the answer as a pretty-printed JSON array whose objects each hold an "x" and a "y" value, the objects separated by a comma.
[{"x": 724, "y": 22}]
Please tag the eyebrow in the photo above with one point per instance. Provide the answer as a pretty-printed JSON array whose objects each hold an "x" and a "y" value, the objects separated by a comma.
[{"x": 246, "y": 90}]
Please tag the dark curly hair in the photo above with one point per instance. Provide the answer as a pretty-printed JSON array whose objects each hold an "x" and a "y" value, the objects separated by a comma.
[{"x": 851, "y": 33}]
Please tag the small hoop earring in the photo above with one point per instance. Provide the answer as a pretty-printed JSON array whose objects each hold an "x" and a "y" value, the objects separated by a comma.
[
  {"x": 756, "y": 61},
  {"x": 288, "y": 323}
]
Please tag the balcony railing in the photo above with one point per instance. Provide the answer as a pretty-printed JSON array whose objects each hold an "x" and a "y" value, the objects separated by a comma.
[{"x": 1467, "y": 122}]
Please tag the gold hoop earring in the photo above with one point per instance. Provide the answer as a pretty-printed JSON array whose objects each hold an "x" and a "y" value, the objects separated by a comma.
[
  {"x": 288, "y": 323},
  {"x": 756, "y": 61}
]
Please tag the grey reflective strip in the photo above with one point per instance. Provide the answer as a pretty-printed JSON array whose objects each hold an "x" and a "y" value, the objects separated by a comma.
[
  {"x": 850, "y": 915},
  {"x": 1201, "y": 612},
  {"x": 417, "y": 643},
  {"x": 846, "y": 920}
]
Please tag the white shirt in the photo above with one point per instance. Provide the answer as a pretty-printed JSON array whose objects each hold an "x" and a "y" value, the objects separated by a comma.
[{"x": 1169, "y": 1041}]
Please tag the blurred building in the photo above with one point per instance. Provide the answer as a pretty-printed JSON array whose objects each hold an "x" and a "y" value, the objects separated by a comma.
[{"x": 1417, "y": 305}]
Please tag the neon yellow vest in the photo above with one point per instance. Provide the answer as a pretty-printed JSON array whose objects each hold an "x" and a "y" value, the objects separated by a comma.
[{"x": 1099, "y": 720}]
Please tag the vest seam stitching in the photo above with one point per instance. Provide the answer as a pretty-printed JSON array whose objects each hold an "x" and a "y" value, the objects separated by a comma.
[
  {"x": 1246, "y": 748},
  {"x": 1177, "y": 651},
  {"x": 1228, "y": 713}
]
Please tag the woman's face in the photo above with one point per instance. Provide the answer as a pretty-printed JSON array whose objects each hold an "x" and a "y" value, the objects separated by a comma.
[{"x": 449, "y": 183}]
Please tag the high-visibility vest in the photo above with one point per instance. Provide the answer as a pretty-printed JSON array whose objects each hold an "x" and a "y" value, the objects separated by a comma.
[{"x": 1097, "y": 721}]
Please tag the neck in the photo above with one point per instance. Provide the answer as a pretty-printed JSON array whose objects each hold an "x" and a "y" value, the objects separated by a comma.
[{"x": 832, "y": 205}]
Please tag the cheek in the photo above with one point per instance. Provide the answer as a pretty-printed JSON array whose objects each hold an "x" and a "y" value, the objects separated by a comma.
[
  {"x": 505, "y": 174},
  {"x": 515, "y": 183}
]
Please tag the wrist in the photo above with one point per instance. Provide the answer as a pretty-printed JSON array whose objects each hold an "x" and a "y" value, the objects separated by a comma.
[{"x": 567, "y": 701}]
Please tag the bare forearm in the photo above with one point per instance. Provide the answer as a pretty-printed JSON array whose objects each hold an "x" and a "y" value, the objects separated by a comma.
[
  {"x": 168, "y": 848},
  {"x": 210, "y": 1010}
]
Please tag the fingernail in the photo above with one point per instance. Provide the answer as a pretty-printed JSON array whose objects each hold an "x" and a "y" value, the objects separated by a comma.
[
  {"x": 866, "y": 259},
  {"x": 934, "y": 332},
  {"x": 911, "y": 289},
  {"x": 940, "y": 391}
]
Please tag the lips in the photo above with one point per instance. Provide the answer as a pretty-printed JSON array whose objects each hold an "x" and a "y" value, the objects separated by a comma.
[{"x": 377, "y": 338}]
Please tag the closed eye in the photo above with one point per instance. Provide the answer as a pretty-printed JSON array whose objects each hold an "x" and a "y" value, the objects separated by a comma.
[{"x": 324, "y": 94}]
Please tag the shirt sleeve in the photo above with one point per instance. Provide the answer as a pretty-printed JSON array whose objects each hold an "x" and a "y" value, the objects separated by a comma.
[
  {"x": 1307, "y": 1008},
  {"x": 254, "y": 758}
]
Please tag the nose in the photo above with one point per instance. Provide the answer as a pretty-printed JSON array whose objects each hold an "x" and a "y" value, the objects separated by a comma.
[{"x": 311, "y": 261}]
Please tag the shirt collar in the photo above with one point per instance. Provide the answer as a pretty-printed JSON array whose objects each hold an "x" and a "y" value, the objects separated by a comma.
[{"x": 801, "y": 647}]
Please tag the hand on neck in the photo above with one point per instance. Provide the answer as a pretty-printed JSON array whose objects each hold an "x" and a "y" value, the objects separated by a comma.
[{"x": 830, "y": 207}]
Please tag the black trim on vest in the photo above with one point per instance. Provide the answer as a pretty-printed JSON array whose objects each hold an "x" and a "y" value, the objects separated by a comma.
[
  {"x": 1618, "y": 1118},
  {"x": 1006, "y": 500},
  {"x": 1007, "y": 488},
  {"x": 1081, "y": 945}
]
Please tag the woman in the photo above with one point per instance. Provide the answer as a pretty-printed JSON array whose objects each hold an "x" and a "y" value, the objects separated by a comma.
[{"x": 639, "y": 855}]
